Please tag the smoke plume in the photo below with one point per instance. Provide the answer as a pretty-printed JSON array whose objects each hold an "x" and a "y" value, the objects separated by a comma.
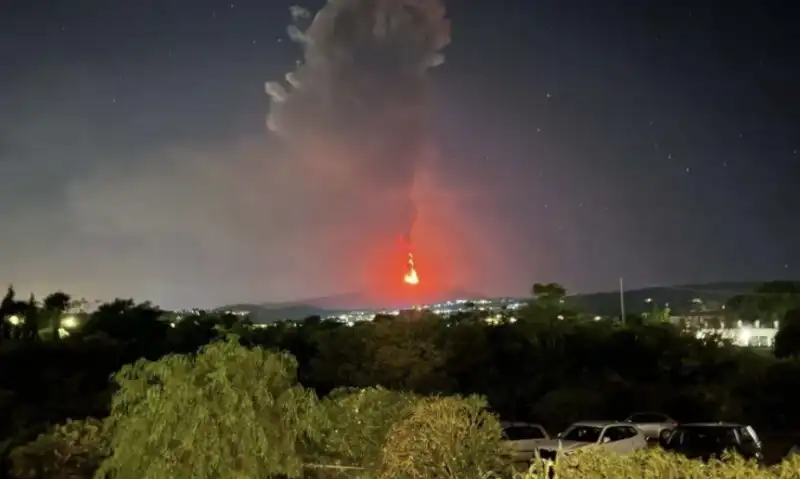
[{"x": 355, "y": 111}]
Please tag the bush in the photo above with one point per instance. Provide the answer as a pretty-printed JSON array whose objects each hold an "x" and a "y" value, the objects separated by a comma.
[
  {"x": 74, "y": 449},
  {"x": 359, "y": 422},
  {"x": 229, "y": 411},
  {"x": 592, "y": 463},
  {"x": 444, "y": 438}
]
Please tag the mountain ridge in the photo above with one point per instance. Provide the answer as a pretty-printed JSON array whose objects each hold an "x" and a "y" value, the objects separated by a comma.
[{"x": 677, "y": 297}]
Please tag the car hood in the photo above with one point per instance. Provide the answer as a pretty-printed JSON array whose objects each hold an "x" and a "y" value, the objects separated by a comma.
[{"x": 562, "y": 445}]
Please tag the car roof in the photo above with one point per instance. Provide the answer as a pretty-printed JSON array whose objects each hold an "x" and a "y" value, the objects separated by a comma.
[
  {"x": 712, "y": 424},
  {"x": 649, "y": 413},
  {"x": 599, "y": 423},
  {"x": 518, "y": 424}
]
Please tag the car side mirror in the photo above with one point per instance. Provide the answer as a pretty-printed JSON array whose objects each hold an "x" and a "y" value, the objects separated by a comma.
[{"x": 606, "y": 440}]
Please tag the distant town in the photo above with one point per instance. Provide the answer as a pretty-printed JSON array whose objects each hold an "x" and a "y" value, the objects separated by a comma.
[{"x": 705, "y": 317}]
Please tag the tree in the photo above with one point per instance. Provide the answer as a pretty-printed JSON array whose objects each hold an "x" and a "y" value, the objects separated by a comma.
[
  {"x": 8, "y": 304},
  {"x": 229, "y": 411},
  {"x": 548, "y": 303},
  {"x": 659, "y": 315},
  {"x": 8, "y": 308},
  {"x": 549, "y": 295},
  {"x": 54, "y": 307},
  {"x": 32, "y": 315},
  {"x": 402, "y": 355},
  {"x": 787, "y": 339},
  {"x": 769, "y": 301},
  {"x": 74, "y": 449},
  {"x": 359, "y": 422},
  {"x": 128, "y": 322},
  {"x": 746, "y": 307},
  {"x": 778, "y": 298},
  {"x": 445, "y": 438}
]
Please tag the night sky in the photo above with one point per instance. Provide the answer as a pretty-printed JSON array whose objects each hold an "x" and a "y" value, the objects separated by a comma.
[{"x": 574, "y": 141}]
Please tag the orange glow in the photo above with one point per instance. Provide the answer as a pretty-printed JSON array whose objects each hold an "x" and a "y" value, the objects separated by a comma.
[{"x": 411, "y": 276}]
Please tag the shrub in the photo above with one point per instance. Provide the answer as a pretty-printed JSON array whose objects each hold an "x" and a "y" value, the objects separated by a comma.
[
  {"x": 229, "y": 411},
  {"x": 359, "y": 422},
  {"x": 444, "y": 438},
  {"x": 593, "y": 463},
  {"x": 74, "y": 449}
]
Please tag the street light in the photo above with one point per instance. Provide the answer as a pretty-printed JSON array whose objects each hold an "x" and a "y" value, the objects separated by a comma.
[{"x": 70, "y": 322}]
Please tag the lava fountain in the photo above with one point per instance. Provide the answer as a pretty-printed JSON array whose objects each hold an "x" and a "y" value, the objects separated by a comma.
[{"x": 411, "y": 277}]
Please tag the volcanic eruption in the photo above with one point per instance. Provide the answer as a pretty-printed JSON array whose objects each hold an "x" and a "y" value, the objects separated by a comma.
[
  {"x": 355, "y": 113},
  {"x": 411, "y": 277}
]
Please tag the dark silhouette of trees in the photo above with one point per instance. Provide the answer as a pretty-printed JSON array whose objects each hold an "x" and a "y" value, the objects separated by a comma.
[
  {"x": 55, "y": 305},
  {"x": 787, "y": 340},
  {"x": 32, "y": 315},
  {"x": 547, "y": 362}
]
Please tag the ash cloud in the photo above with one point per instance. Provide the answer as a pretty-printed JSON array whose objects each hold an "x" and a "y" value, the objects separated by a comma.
[{"x": 355, "y": 111}]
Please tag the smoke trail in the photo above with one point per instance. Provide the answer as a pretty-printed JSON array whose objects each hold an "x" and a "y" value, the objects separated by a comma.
[{"x": 356, "y": 107}]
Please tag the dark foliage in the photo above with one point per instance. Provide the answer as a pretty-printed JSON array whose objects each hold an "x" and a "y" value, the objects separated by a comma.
[{"x": 534, "y": 366}]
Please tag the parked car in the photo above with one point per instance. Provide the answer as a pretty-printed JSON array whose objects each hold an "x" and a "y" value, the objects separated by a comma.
[
  {"x": 651, "y": 423},
  {"x": 618, "y": 437},
  {"x": 706, "y": 440},
  {"x": 523, "y": 439}
]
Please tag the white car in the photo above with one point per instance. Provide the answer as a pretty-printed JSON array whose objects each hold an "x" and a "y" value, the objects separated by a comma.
[
  {"x": 523, "y": 439},
  {"x": 617, "y": 437},
  {"x": 652, "y": 423}
]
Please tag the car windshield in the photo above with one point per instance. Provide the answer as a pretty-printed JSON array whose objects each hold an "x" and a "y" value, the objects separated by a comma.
[
  {"x": 582, "y": 433},
  {"x": 647, "y": 417},
  {"x": 706, "y": 436},
  {"x": 519, "y": 433}
]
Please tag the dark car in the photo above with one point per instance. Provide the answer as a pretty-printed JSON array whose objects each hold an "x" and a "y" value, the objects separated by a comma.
[{"x": 706, "y": 440}]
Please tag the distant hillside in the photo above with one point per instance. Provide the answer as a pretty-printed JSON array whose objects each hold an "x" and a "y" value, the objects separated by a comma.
[
  {"x": 331, "y": 305},
  {"x": 679, "y": 297},
  {"x": 267, "y": 314}
]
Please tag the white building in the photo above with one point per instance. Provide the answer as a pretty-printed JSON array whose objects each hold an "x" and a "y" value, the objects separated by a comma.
[{"x": 745, "y": 336}]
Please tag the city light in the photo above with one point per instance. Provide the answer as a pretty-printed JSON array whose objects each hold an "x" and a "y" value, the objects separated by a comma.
[{"x": 70, "y": 322}]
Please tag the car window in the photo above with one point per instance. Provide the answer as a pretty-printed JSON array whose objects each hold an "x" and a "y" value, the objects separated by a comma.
[
  {"x": 629, "y": 432},
  {"x": 618, "y": 433},
  {"x": 648, "y": 417},
  {"x": 613, "y": 434},
  {"x": 582, "y": 433},
  {"x": 706, "y": 436},
  {"x": 519, "y": 433},
  {"x": 747, "y": 434}
]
